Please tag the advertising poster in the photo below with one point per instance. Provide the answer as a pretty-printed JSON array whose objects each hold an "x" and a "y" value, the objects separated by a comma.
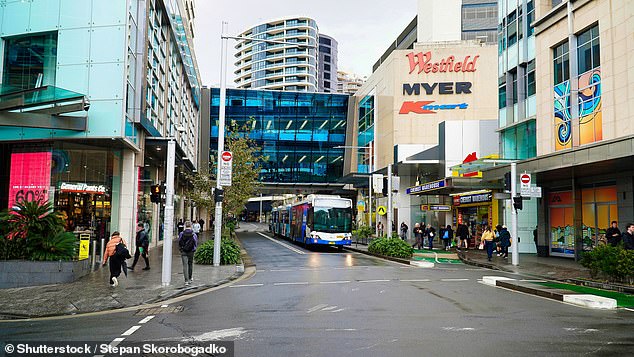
[{"x": 30, "y": 177}]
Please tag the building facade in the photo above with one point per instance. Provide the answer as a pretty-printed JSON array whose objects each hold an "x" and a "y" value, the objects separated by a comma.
[
  {"x": 348, "y": 83},
  {"x": 327, "y": 64},
  {"x": 297, "y": 132},
  {"x": 92, "y": 89},
  {"x": 279, "y": 66}
]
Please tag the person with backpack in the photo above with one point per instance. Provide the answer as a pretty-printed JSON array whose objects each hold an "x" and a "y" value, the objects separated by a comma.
[
  {"x": 505, "y": 240},
  {"x": 117, "y": 252},
  {"x": 447, "y": 237},
  {"x": 142, "y": 245},
  {"x": 187, "y": 243}
]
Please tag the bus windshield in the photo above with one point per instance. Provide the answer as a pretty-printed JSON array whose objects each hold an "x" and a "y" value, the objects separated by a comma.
[{"x": 332, "y": 220}]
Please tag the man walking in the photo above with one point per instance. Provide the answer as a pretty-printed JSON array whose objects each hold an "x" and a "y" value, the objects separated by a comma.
[
  {"x": 628, "y": 237},
  {"x": 187, "y": 243},
  {"x": 142, "y": 245},
  {"x": 202, "y": 224},
  {"x": 613, "y": 234},
  {"x": 196, "y": 227}
]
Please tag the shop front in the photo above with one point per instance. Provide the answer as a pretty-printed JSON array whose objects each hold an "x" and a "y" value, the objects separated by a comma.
[{"x": 476, "y": 211}]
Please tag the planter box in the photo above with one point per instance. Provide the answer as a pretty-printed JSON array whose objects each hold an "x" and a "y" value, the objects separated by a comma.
[{"x": 21, "y": 273}]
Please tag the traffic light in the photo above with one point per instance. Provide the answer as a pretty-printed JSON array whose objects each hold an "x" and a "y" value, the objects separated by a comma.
[
  {"x": 155, "y": 193},
  {"x": 219, "y": 195},
  {"x": 517, "y": 202},
  {"x": 507, "y": 181}
]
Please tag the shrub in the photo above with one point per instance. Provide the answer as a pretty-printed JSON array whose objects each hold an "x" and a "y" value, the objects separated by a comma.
[
  {"x": 229, "y": 252},
  {"x": 616, "y": 263},
  {"x": 61, "y": 246},
  {"x": 363, "y": 232},
  {"x": 392, "y": 247}
]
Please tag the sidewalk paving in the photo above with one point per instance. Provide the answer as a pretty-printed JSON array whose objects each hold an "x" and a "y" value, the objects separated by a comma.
[{"x": 93, "y": 292}]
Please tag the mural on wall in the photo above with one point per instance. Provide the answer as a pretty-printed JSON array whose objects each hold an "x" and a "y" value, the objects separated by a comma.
[{"x": 589, "y": 102}]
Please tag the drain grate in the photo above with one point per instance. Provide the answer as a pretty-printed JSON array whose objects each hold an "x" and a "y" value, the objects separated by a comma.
[{"x": 160, "y": 310}]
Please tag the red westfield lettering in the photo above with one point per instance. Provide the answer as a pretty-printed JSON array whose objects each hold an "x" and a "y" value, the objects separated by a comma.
[{"x": 449, "y": 64}]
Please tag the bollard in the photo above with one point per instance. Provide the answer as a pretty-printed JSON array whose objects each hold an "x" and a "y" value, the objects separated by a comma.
[
  {"x": 103, "y": 249},
  {"x": 93, "y": 259}
]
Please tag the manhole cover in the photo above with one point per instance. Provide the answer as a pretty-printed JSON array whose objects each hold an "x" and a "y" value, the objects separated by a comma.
[{"x": 160, "y": 310}]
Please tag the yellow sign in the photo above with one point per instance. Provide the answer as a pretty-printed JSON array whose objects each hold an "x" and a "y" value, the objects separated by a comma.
[
  {"x": 84, "y": 244},
  {"x": 381, "y": 210}
]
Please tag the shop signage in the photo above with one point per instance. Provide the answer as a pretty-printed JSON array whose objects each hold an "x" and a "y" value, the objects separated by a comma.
[
  {"x": 429, "y": 186},
  {"x": 30, "y": 177},
  {"x": 425, "y": 64},
  {"x": 361, "y": 206},
  {"x": 435, "y": 208},
  {"x": 443, "y": 88},
  {"x": 475, "y": 198},
  {"x": 425, "y": 107},
  {"x": 82, "y": 188}
]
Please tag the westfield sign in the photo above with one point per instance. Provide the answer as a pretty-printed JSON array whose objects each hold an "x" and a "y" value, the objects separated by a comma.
[{"x": 423, "y": 60}]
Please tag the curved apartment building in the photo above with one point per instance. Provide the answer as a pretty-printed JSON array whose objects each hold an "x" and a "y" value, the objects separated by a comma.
[{"x": 268, "y": 65}]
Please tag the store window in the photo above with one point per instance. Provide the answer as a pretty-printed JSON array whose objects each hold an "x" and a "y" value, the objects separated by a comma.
[
  {"x": 560, "y": 213},
  {"x": 30, "y": 61},
  {"x": 599, "y": 209}
]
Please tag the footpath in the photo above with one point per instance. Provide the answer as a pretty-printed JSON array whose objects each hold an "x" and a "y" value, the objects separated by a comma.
[
  {"x": 552, "y": 277},
  {"x": 93, "y": 292}
]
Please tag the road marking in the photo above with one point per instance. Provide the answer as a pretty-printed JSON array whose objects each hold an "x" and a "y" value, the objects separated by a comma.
[
  {"x": 146, "y": 319},
  {"x": 373, "y": 281},
  {"x": 338, "y": 310},
  {"x": 131, "y": 330},
  {"x": 341, "y": 329},
  {"x": 458, "y": 328},
  {"x": 335, "y": 282},
  {"x": 454, "y": 279},
  {"x": 282, "y": 244},
  {"x": 164, "y": 305},
  {"x": 297, "y": 283},
  {"x": 226, "y": 334},
  {"x": 245, "y": 285},
  {"x": 474, "y": 269},
  {"x": 329, "y": 308},
  {"x": 415, "y": 280},
  {"x": 281, "y": 269},
  {"x": 116, "y": 341},
  {"x": 315, "y": 308}
]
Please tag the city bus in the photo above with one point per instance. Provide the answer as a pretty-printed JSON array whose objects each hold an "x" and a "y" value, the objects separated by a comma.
[
  {"x": 280, "y": 220},
  {"x": 321, "y": 220}
]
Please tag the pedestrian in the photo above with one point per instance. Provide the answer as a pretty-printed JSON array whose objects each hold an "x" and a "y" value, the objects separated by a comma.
[
  {"x": 187, "y": 243},
  {"x": 535, "y": 239},
  {"x": 613, "y": 234},
  {"x": 196, "y": 227},
  {"x": 404, "y": 229},
  {"x": 117, "y": 253},
  {"x": 447, "y": 237},
  {"x": 142, "y": 244},
  {"x": 628, "y": 237},
  {"x": 418, "y": 235},
  {"x": 505, "y": 240},
  {"x": 379, "y": 228},
  {"x": 487, "y": 238},
  {"x": 180, "y": 226},
  {"x": 201, "y": 221},
  {"x": 431, "y": 234}
]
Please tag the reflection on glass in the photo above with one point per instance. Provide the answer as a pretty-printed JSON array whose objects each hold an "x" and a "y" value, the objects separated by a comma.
[{"x": 333, "y": 220}]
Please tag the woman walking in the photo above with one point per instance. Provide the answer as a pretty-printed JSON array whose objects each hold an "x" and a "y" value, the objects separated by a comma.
[
  {"x": 487, "y": 238},
  {"x": 418, "y": 234},
  {"x": 447, "y": 237}
]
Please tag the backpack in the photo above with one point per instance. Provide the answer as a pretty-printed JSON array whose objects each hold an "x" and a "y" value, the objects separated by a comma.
[
  {"x": 445, "y": 235},
  {"x": 186, "y": 243},
  {"x": 122, "y": 252}
]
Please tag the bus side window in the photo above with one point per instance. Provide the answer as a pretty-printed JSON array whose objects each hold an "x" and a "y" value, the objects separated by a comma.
[{"x": 309, "y": 219}]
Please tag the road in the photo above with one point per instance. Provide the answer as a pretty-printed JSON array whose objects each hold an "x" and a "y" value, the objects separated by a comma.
[{"x": 326, "y": 303}]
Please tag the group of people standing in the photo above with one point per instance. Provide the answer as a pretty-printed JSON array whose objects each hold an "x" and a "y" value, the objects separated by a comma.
[
  {"x": 615, "y": 237},
  {"x": 424, "y": 232},
  {"x": 499, "y": 239}
]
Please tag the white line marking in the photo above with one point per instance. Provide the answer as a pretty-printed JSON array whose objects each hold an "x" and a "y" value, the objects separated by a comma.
[
  {"x": 341, "y": 329},
  {"x": 297, "y": 283},
  {"x": 373, "y": 281},
  {"x": 415, "y": 280},
  {"x": 164, "y": 305},
  {"x": 338, "y": 310},
  {"x": 245, "y": 285},
  {"x": 329, "y": 308},
  {"x": 474, "y": 269},
  {"x": 458, "y": 328},
  {"x": 315, "y": 308},
  {"x": 131, "y": 330},
  {"x": 281, "y": 270},
  {"x": 282, "y": 244},
  {"x": 116, "y": 341},
  {"x": 146, "y": 319},
  {"x": 454, "y": 279},
  {"x": 335, "y": 282},
  {"x": 230, "y": 333}
]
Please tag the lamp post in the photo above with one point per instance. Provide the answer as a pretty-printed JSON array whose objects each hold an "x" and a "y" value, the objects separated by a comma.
[
  {"x": 221, "y": 123},
  {"x": 370, "y": 170}
]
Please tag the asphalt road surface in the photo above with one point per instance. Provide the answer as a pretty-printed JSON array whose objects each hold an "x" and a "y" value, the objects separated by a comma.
[{"x": 327, "y": 303}]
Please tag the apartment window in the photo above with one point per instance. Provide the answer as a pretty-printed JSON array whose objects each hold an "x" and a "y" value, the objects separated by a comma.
[
  {"x": 326, "y": 84},
  {"x": 530, "y": 79},
  {"x": 530, "y": 17},
  {"x": 588, "y": 50},
  {"x": 30, "y": 61},
  {"x": 326, "y": 67},
  {"x": 327, "y": 59},
  {"x": 324, "y": 49},
  {"x": 325, "y": 41},
  {"x": 502, "y": 92},
  {"x": 561, "y": 63},
  {"x": 511, "y": 29},
  {"x": 326, "y": 75}
]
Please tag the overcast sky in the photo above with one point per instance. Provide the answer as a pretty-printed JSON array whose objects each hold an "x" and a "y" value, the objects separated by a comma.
[{"x": 363, "y": 28}]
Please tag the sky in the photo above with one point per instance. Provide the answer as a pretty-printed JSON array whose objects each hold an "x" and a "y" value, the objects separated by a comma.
[{"x": 363, "y": 28}]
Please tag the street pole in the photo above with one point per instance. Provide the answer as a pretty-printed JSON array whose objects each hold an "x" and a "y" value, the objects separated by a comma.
[
  {"x": 221, "y": 142},
  {"x": 370, "y": 170},
  {"x": 260, "y": 216},
  {"x": 168, "y": 227},
  {"x": 515, "y": 259},
  {"x": 389, "y": 201}
]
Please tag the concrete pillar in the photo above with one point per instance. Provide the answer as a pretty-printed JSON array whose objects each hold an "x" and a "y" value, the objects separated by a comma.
[{"x": 127, "y": 197}]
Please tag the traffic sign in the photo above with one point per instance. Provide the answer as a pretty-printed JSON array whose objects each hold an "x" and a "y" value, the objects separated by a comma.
[
  {"x": 525, "y": 180},
  {"x": 225, "y": 168},
  {"x": 382, "y": 210}
]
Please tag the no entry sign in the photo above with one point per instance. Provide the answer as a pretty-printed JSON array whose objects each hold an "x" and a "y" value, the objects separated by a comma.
[{"x": 525, "y": 180}]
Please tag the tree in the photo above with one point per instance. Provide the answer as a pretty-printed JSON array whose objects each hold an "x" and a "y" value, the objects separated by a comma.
[{"x": 244, "y": 182}]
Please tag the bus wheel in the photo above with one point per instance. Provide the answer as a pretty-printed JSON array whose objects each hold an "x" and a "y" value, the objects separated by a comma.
[{"x": 340, "y": 248}]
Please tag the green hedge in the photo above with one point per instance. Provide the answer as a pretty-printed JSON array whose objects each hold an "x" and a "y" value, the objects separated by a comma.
[
  {"x": 391, "y": 247},
  {"x": 614, "y": 263},
  {"x": 229, "y": 252}
]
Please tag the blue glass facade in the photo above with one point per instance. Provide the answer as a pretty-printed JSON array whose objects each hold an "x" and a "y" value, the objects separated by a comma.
[{"x": 298, "y": 132}]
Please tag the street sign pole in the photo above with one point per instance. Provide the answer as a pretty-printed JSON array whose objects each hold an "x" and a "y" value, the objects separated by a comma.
[
  {"x": 390, "y": 209},
  {"x": 221, "y": 143},
  {"x": 515, "y": 259}
]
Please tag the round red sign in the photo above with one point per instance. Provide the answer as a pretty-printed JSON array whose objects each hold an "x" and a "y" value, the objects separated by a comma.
[
  {"x": 525, "y": 178},
  {"x": 226, "y": 156}
]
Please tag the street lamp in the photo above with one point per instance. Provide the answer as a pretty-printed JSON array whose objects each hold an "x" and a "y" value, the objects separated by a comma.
[
  {"x": 370, "y": 171},
  {"x": 221, "y": 123}
]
